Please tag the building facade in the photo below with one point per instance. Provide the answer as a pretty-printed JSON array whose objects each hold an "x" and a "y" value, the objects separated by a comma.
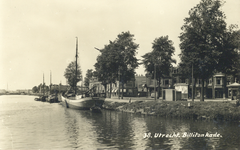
[{"x": 144, "y": 86}]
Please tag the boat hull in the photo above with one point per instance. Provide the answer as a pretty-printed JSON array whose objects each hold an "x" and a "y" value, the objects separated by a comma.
[
  {"x": 52, "y": 99},
  {"x": 82, "y": 103}
]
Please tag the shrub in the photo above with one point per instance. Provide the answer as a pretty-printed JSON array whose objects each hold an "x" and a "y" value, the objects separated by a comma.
[{"x": 237, "y": 102}]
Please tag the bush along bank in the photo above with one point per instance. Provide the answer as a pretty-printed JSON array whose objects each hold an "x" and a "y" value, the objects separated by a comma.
[{"x": 226, "y": 111}]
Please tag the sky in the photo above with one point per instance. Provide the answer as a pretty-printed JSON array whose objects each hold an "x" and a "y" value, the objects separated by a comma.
[{"x": 39, "y": 37}]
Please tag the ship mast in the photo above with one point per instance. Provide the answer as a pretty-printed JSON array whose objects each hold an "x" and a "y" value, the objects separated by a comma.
[
  {"x": 50, "y": 81},
  {"x": 76, "y": 66},
  {"x": 43, "y": 78},
  {"x": 43, "y": 85},
  {"x": 50, "y": 77}
]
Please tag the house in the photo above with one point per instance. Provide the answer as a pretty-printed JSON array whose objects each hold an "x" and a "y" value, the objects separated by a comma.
[
  {"x": 215, "y": 87},
  {"x": 115, "y": 89},
  {"x": 144, "y": 85}
]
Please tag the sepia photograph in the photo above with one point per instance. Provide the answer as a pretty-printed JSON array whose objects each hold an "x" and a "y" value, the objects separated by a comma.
[{"x": 129, "y": 74}]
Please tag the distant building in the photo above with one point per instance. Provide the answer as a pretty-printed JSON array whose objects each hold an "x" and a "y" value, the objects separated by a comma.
[
  {"x": 115, "y": 89},
  {"x": 143, "y": 86},
  {"x": 63, "y": 88},
  {"x": 59, "y": 88},
  {"x": 215, "y": 87},
  {"x": 2, "y": 91},
  {"x": 24, "y": 91}
]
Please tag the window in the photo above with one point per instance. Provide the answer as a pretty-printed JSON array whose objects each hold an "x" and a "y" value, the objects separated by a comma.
[
  {"x": 174, "y": 80},
  {"x": 210, "y": 81},
  {"x": 152, "y": 82},
  {"x": 199, "y": 81},
  {"x": 218, "y": 81},
  {"x": 166, "y": 82},
  {"x": 228, "y": 80},
  {"x": 182, "y": 80},
  {"x": 140, "y": 86},
  {"x": 230, "y": 93}
]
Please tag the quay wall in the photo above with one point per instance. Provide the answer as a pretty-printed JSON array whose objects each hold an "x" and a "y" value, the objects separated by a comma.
[{"x": 207, "y": 110}]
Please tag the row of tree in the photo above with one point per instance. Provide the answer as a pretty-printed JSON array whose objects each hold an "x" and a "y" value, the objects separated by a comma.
[
  {"x": 41, "y": 88},
  {"x": 117, "y": 61},
  {"x": 207, "y": 45}
]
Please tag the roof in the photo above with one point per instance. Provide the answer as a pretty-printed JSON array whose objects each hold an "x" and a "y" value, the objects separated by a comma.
[
  {"x": 219, "y": 74},
  {"x": 235, "y": 84},
  {"x": 180, "y": 84}
]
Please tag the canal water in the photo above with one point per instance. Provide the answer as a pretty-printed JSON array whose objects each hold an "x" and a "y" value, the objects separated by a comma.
[{"x": 29, "y": 124}]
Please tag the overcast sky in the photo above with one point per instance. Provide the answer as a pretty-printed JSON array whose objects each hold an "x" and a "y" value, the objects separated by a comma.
[{"x": 39, "y": 36}]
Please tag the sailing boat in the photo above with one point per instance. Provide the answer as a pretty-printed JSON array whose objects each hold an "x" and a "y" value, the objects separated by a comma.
[
  {"x": 86, "y": 100},
  {"x": 42, "y": 97},
  {"x": 52, "y": 97}
]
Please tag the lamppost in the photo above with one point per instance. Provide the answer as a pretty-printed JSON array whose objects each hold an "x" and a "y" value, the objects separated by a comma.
[
  {"x": 146, "y": 75},
  {"x": 121, "y": 67},
  {"x": 119, "y": 78},
  {"x": 155, "y": 81},
  {"x": 192, "y": 84},
  {"x": 192, "y": 75},
  {"x": 119, "y": 83},
  {"x": 192, "y": 80},
  {"x": 157, "y": 59}
]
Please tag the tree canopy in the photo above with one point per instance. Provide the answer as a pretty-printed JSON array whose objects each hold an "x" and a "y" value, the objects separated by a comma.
[
  {"x": 89, "y": 75},
  {"x": 35, "y": 89},
  {"x": 234, "y": 41},
  {"x": 205, "y": 41},
  {"x": 41, "y": 88},
  {"x": 160, "y": 57},
  {"x": 117, "y": 58},
  {"x": 70, "y": 74}
]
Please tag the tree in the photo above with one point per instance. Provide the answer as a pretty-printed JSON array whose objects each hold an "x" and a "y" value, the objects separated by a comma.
[
  {"x": 40, "y": 88},
  {"x": 236, "y": 38},
  {"x": 127, "y": 56},
  {"x": 89, "y": 76},
  {"x": 105, "y": 67},
  {"x": 117, "y": 60},
  {"x": 160, "y": 57},
  {"x": 46, "y": 88},
  {"x": 35, "y": 89},
  {"x": 70, "y": 74},
  {"x": 233, "y": 40},
  {"x": 203, "y": 43},
  {"x": 237, "y": 50}
]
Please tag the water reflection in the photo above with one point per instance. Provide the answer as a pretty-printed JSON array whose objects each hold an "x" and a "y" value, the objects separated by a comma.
[
  {"x": 139, "y": 127},
  {"x": 106, "y": 129},
  {"x": 25, "y": 123},
  {"x": 77, "y": 128},
  {"x": 123, "y": 131},
  {"x": 169, "y": 126}
]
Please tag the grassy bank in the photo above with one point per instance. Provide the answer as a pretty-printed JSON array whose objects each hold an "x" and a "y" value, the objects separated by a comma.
[{"x": 229, "y": 111}]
